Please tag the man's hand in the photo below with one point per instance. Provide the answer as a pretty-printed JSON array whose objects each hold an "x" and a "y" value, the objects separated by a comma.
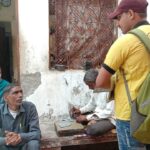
[
  {"x": 75, "y": 112},
  {"x": 12, "y": 138},
  {"x": 81, "y": 119}
]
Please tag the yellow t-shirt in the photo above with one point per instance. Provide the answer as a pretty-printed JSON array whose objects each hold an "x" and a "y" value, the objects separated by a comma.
[{"x": 128, "y": 54}]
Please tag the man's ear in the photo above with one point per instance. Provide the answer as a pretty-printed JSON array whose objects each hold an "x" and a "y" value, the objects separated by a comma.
[
  {"x": 5, "y": 96},
  {"x": 131, "y": 14}
]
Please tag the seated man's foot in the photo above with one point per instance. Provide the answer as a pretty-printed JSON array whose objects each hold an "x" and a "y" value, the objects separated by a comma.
[{"x": 91, "y": 122}]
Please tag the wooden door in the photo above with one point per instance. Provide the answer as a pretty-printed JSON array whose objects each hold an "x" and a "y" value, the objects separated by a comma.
[{"x": 83, "y": 31}]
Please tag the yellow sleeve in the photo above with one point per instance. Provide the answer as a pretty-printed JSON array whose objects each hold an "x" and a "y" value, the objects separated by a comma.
[{"x": 117, "y": 53}]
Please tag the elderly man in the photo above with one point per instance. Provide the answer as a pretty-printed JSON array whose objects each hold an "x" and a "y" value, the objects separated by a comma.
[
  {"x": 129, "y": 55},
  {"x": 101, "y": 120},
  {"x": 19, "y": 123}
]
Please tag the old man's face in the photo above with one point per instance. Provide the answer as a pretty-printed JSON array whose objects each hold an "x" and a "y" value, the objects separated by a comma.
[{"x": 14, "y": 98}]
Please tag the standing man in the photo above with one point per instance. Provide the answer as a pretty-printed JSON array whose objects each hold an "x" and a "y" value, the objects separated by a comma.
[
  {"x": 3, "y": 84},
  {"x": 128, "y": 54},
  {"x": 19, "y": 123}
]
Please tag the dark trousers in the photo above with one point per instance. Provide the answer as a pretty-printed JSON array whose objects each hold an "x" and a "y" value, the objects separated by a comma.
[
  {"x": 31, "y": 145},
  {"x": 100, "y": 127},
  {"x": 148, "y": 147}
]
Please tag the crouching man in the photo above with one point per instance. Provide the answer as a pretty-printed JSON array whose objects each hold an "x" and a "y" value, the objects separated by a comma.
[
  {"x": 101, "y": 120},
  {"x": 19, "y": 122}
]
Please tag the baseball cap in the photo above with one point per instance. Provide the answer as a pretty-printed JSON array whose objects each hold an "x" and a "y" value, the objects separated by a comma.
[{"x": 139, "y": 6}]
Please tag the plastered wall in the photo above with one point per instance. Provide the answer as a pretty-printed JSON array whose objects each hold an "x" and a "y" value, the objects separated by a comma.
[{"x": 49, "y": 90}]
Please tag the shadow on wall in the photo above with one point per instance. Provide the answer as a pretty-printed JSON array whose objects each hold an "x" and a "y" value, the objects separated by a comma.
[{"x": 30, "y": 82}]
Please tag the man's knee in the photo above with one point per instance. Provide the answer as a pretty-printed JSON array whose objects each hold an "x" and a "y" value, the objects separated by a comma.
[
  {"x": 33, "y": 145},
  {"x": 91, "y": 130},
  {"x": 99, "y": 128}
]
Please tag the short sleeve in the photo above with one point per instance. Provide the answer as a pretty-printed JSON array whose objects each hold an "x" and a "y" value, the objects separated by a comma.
[{"x": 117, "y": 54}]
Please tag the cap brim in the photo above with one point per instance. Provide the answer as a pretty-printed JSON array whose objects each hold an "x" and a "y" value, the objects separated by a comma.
[{"x": 114, "y": 14}]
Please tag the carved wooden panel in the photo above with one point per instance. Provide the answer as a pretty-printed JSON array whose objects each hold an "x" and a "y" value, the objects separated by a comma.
[{"x": 83, "y": 31}]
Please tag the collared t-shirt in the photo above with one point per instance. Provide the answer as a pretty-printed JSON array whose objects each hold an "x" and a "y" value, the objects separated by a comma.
[
  {"x": 128, "y": 54},
  {"x": 26, "y": 123}
]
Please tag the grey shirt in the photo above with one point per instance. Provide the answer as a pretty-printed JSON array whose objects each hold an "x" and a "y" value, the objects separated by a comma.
[{"x": 26, "y": 122}]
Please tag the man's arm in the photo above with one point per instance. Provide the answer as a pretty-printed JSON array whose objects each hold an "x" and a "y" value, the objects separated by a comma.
[
  {"x": 103, "y": 108},
  {"x": 2, "y": 137},
  {"x": 34, "y": 132},
  {"x": 104, "y": 79},
  {"x": 90, "y": 106},
  {"x": 106, "y": 112}
]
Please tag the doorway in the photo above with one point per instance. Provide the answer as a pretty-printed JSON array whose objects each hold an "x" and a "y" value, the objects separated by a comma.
[{"x": 6, "y": 51}]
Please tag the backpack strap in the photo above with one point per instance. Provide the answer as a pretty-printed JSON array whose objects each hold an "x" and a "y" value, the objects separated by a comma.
[
  {"x": 142, "y": 37},
  {"x": 127, "y": 88},
  {"x": 146, "y": 41}
]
